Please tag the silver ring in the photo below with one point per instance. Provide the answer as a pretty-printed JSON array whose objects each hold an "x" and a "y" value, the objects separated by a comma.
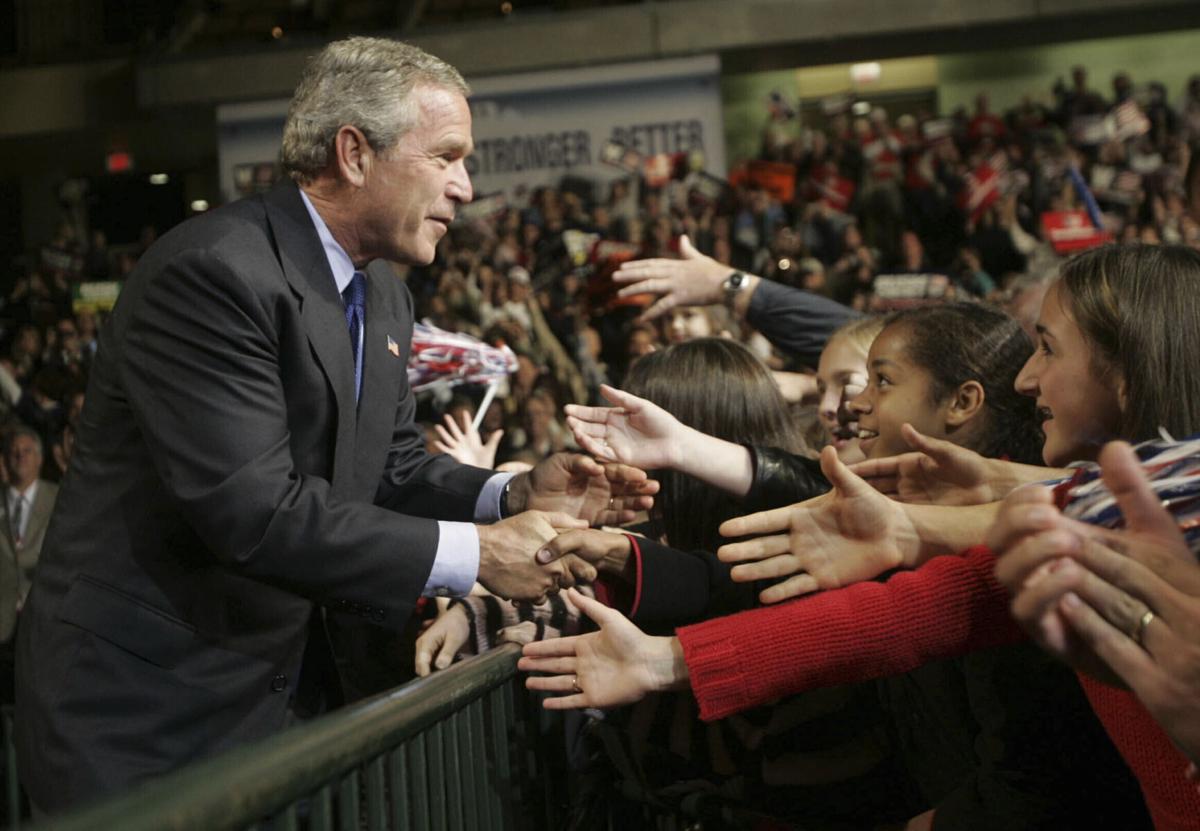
[{"x": 1139, "y": 631}]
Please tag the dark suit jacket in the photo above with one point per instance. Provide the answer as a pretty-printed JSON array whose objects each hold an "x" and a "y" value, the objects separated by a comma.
[{"x": 223, "y": 481}]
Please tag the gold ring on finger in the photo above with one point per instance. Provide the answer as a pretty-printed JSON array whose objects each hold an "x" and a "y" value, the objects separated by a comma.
[{"x": 1139, "y": 631}]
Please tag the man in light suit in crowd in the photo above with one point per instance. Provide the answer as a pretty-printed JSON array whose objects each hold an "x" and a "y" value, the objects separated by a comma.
[
  {"x": 247, "y": 452},
  {"x": 27, "y": 505}
]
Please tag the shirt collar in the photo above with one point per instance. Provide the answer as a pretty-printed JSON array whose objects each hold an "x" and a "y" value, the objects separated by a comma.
[
  {"x": 339, "y": 261},
  {"x": 29, "y": 493}
]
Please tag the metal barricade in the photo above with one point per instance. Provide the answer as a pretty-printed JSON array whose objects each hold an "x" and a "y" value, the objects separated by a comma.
[{"x": 459, "y": 749}]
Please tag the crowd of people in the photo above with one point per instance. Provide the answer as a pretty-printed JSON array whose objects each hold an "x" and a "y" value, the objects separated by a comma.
[
  {"x": 985, "y": 728},
  {"x": 718, "y": 338}
]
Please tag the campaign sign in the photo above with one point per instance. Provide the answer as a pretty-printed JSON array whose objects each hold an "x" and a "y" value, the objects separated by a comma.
[{"x": 1070, "y": 231}]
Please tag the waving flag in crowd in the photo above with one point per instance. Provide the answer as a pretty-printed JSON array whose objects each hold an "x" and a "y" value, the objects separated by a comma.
[{"x": 452, "y": 358}]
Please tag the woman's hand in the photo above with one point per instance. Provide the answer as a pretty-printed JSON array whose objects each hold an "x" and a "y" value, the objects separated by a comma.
[
  {"x": 609, "y": 552},
  {"x": 465, "y": 444},
  {"x": 943, "y": 473},
  {"x": 852, "y": 533},
  {"x": 634, "y": 432},
  {"x": 615, "y": 666},
  {"x": 1122, "y": 605}
]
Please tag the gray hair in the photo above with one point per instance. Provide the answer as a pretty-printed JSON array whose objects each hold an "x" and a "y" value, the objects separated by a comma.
[
  {"x": 22, "y": 430},
  {"x": 362, "y": 82}
]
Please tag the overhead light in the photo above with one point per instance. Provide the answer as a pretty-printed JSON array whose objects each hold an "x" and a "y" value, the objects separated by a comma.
[
  {"x": 199, "y": 205},
  {"x": 159, "y": 178}
]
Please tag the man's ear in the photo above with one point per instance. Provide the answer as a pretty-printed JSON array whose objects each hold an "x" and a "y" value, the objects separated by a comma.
[
  {"x": 965, "y": 404},
  {"x": 352, "y": 155}
]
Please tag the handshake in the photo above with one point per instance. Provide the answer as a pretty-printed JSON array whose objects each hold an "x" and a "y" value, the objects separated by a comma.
[{"x": 564, "y": 492}]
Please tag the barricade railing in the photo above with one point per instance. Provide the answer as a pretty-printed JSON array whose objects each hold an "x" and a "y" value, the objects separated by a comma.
[{"x": 459, "y": 749}]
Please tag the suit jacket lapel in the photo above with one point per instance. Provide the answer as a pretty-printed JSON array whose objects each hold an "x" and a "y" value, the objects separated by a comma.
[
  {"x": 9, "y": 532},
  {"x": 382, "y": 372},
  {"x": 322, "y": 314},
  {"x": 39, "y": 513}
]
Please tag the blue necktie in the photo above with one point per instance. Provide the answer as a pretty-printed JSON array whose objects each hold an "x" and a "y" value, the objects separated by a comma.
[{"x": 355, "y": 298}]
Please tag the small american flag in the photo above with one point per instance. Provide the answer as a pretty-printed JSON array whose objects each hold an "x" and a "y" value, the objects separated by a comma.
[{"x": 393, "y": 347}]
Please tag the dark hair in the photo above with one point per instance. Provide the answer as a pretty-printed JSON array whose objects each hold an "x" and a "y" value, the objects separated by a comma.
[
  {"x": 960, "y": 342},
  {"x": 716, "y": 386},
  {"x": 1138, "y": 307}
]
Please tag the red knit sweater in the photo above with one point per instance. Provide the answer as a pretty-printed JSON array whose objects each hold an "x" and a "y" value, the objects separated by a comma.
[{"x": 949, "y": 606}]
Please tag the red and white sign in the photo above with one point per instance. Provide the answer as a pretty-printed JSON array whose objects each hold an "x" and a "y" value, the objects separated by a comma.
[{"x": 1069, "y": 231}]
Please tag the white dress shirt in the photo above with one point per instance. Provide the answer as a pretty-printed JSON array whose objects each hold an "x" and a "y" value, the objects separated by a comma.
[
  {"x": 26, "y": 499},
  {"x": 456, "y": 563}
]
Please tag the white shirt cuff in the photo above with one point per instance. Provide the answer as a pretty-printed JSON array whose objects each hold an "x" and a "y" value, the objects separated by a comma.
[
  {"x": 487, "y": 506},
  {"x": 456, "y": 564}
]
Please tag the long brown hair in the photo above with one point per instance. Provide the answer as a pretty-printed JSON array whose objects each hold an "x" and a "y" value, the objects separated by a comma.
[
  {"x": 1138, "y": 306},
  {"x": 716, "y": 386}
]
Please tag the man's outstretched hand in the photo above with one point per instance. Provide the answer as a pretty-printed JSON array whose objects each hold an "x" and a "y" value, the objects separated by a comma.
[{"x": 578, "y": 485}]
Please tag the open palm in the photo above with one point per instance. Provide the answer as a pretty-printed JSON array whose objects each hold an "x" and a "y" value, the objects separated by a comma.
[
  {"x": 634, "y": 432},
  {"x": 851, "y": 534}
]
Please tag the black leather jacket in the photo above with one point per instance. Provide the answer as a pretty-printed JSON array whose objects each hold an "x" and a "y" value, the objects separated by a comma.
[{"x": 781, "y": 478}]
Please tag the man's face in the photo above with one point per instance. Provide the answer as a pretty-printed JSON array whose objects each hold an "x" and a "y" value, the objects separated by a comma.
[
  {"x": 414, "y": 187},
  {"x": 24, "y": 461}
]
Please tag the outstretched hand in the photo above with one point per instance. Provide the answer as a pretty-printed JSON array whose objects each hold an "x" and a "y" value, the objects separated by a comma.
[
  {"x": 464, "y": 443},
  {"x": 571, "y": 483},
  {"x": 634, "y": 431},
  {"x": 939, "y": 472},
  {"x": 615, "y": 666},
  {"x": 850, "y": 534},
  {"x": 693, "y": 280}
]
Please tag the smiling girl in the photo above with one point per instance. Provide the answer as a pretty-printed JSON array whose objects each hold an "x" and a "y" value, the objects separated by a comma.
[
  {"x": 842, "y": 375},
  {"x": 1118, "y": 334}
]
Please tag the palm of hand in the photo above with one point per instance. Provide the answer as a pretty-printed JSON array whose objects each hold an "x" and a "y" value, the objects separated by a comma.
[
  {"x": 607, "y": 666},
  {"x": 848, "y": 538},
  {"x": 642, "y": 439}
]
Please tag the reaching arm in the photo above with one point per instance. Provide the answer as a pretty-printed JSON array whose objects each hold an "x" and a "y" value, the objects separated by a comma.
[
  {"x": 853, "y": 533},
  {"x": 946, "y": 474},
  {"x": 639, "y": 433}
]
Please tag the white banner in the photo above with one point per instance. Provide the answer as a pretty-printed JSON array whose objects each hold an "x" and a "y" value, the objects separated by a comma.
[{"x": 534, "y": 128}]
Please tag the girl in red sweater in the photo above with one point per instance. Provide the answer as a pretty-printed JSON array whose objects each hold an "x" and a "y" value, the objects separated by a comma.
[{"x": 1116, "y": 332}]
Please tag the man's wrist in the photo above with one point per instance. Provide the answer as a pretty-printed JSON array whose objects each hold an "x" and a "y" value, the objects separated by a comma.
[
  {"x": 734, "y": 283},
  {"x": 515, "y": 498},
  {"x": 741, "y": 301}
]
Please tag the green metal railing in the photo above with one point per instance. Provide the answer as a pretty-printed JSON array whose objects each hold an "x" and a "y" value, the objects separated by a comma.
[{"x": 460, "y": 749}]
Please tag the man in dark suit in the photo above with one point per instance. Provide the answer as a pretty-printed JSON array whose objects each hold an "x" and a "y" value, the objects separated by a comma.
[{"x": 248, "y": 450}]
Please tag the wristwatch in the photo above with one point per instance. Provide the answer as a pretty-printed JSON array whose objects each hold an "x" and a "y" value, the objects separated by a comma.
[{"x": 735, "y": 282}]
